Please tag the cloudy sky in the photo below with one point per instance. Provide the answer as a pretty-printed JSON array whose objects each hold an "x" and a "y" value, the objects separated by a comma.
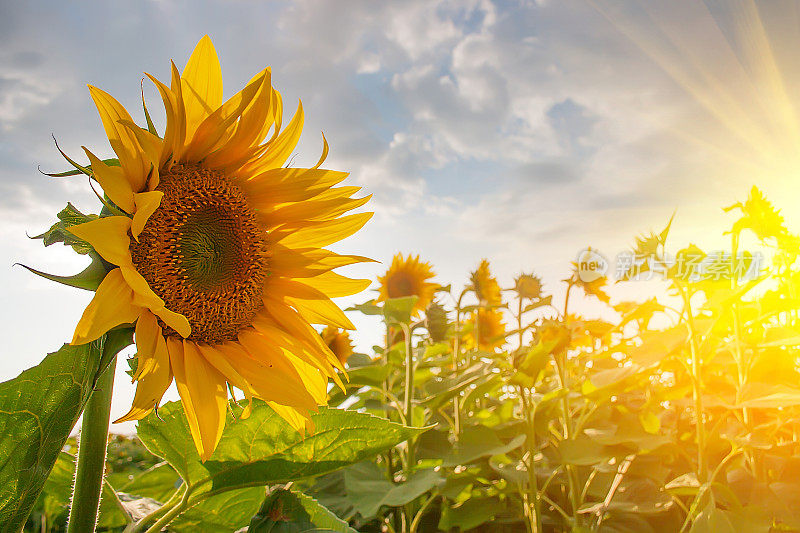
[{"x": 519, "y": 131}]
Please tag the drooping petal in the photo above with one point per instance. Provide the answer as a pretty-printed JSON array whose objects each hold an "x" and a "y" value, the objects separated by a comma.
[
  {"x": 153, "y": 372},
  {"x": 220, "y": 361},
  {"x": 108, "y": 236},
  {"x": 292, "y": 322},
  {"x": 312, "y": 304},
  {"x": 113, "y": 182},
  {"x": 299, "y": 420},
  {"x": 146, "y": 205},
  {"x": 111, "y": 306},
  {"x": 143, "y": 295},
  {"x": 176, "y": 321},
  {"x": 123, "y": 142},
  {"x": 203, "y": 393},
  {"x": 201, "y": 83},
  {"x": 260, "y": 348},
  {"x": 269, "y": 383}
]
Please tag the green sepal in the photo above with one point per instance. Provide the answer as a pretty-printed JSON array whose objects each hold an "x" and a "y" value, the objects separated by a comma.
[
  {"x": 150, "y": 126},
  {"x": 58, "y": 232},
  {"x": 112, "y": 162},
  {"x": 88, "y": 279}
]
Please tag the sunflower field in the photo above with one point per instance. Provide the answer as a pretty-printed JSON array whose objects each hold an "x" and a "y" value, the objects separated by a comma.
[{"x": 490, "y": 406}]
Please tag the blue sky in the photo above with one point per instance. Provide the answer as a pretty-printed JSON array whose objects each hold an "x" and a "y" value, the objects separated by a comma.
[{"x": 519, "y": 131}]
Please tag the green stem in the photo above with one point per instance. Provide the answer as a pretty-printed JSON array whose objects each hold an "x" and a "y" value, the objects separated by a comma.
[
  {"x": 409, "y": 393},
  {"x": 533, "y": 498},
  {"x": 697, "y": 388},
  {"x": 92, "y": 454},
  {"x": 172, "y": 513}
]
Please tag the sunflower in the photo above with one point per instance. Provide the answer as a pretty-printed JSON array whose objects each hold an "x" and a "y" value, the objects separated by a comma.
[
  {"x": 408, "y": 277},
  {"x": 217, "y": 251},
  {"x": 490, "y": 328},
  {"x": 338, "y": 341},
  {"x": 528, "y": 286},
  {"x": 485, "y": 285}
]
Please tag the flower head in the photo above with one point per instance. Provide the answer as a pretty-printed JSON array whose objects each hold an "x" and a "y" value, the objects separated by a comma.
[
  {"x": 217, "y": 250},
  {"x": 408, "y": 277},
  {"x": 436, "y": 321},
  {"x": 485, "y": 285},
  {"x": 528, "y": 286},
  {"x": 490, "y": 328},
  {"x": 339, "y": 342}
]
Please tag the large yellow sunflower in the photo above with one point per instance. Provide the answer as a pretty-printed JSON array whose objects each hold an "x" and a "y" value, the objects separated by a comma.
[
  {"x": 408, "y": 277},
  {"x": 218, "y": 250}
]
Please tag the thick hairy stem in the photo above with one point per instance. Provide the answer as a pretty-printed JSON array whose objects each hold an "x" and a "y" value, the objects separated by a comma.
[{"x": 92, "y": 455}]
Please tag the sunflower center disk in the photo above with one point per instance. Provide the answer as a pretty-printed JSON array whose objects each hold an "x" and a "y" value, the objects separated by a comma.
[
  {"x": 204, "y": 253},
  {"x": 401, "y": 284}
]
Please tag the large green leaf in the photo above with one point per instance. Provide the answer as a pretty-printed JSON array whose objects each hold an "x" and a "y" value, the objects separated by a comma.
[
  {"x": 158, "y": 483},
  {"x": 38, "y": 409},
  {"x": 294, "y": 512},
  {"x": 264, "y": 449},
  {"x": 368, "y": 489},
  {"x": 479, "y": 441},
  {"x": 223, "y": 513},
  {"x": 468, "y": 515}
]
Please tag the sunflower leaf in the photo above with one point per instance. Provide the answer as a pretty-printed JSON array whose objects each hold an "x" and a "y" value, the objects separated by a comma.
[
  {"x": 264, "y": 449},
  {"x": 287, "y": 511},
  {"x": 67, "y": 217},
  {"x": 398, "y": 310},
  {"x": 38, "y": 409}
]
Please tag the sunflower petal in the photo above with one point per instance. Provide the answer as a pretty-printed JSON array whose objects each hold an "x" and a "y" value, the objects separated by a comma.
[
  {"x": 269, "y": 382},
  {"x": 146, "y": 205},
  {"x": 122, "y": 140},
  {"x": 153, "y": 372},
  {"x": 280, "y": 148},
  {"x": 113, "y": 182},
  {"x": 143, "y": 295},
  {"x": 327, "y": 232},
  {"x": 335, "y": 285},
  {"x": 203, "y": 393},
  {"x": 176, "y": 321},
  {"x": 108, "y": 236},
  {"x": 201, "y": 84},
  {"x": 111, "y": 306},
  {"x": 312, "y": 304},
  {"x": 299, "y": 420},
  {"x": 152, "y": 147}
]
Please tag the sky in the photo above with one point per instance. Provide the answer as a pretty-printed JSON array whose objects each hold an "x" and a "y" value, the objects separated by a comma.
[{"x": 519, "y": 131}]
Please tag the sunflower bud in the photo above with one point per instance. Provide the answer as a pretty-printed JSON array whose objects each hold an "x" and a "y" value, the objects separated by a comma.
[
  {"x": 528, "y": 286},
  {"x": 436, "y": 322}
]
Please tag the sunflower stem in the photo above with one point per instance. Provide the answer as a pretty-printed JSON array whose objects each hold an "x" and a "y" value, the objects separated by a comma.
[{"x": 93, "y": 442}]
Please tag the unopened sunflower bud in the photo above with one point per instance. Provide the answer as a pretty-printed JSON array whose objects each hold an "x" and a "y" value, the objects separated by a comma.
[{"x": 436, "y": 322}]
